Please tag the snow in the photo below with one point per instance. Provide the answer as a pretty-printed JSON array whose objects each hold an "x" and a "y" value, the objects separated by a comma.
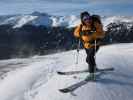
[
  {"x": 19, "y": 78},
  {"x": 24, "y": 20},
  {"x": 35, "y": 18},
  {"x": 117, "y": 19},
  {"x": 35, "y": 78},
  {"x": 66, "y": 21}
]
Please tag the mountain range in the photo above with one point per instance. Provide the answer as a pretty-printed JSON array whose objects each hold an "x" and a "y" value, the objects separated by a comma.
[
  {"x": 37, "y": 18},
  {"x": 42, "y": 33}
]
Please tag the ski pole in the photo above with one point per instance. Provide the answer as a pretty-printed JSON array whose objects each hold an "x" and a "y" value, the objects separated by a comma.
[
  {"x": 78, "y": 47},
  {"x": 95, "y": 53}
]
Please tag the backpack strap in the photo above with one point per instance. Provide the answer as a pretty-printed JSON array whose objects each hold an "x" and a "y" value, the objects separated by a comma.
[{"x": 80, "y": 34}]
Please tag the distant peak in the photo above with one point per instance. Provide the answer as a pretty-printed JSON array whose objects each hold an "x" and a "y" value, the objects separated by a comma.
[{"x": 36, "y": 13}]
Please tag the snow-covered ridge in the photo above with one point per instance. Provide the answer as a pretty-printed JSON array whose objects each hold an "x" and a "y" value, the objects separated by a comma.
[
  {"x": 117, "y": 19},
  {"x": 38, "y": 18}
]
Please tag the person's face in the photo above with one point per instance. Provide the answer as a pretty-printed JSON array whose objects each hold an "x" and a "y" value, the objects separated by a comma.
[{"x": 87, "y": 20}]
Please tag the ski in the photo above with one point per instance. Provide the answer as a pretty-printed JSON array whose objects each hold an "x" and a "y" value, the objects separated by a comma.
[
  {"x": 105, "y": 69},
  {"x": 84, "y": 71},
  {"x": 72, "y": 72},
  {"x": 75, "y": 86}
]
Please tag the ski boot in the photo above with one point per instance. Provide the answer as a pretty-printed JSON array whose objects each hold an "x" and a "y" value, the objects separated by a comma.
[
  {"x": 91, "y": 77},
  {"x": 96, "y": 68}
]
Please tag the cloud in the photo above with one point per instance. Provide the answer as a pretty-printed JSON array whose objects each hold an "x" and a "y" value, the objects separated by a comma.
[
  {"x": 18, "y": 1},
  {"x": 110, "y": 1},
  {"x": 72, "y": 1},
  {"x": 106, "y": 7},
  {"x": 92, "y": 1}
]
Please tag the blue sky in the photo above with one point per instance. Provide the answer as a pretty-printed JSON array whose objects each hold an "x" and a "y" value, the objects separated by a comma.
[{"x": 67, "y": 7}]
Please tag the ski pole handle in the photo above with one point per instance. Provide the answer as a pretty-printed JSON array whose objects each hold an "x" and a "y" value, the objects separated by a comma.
[{"x": 95, "y": 47}]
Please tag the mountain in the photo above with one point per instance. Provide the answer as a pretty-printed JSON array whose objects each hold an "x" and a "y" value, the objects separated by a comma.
[
  {"x": 37, "y": 18},
  {"x": 35, "y": 78},
  {"x": 118, "y": 20},
  {"x": 44, "y": 33}
]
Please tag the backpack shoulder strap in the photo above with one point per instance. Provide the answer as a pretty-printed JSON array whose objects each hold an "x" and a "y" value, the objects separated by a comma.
[
  {"x": 81, "y": 27},
  {"x": 80, "y": 30}
]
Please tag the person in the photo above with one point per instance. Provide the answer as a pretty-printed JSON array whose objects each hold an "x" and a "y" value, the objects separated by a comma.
[{"x": 90, "y": 32}]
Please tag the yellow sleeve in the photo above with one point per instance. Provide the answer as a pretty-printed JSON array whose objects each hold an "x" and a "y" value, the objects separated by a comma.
[{"x": 77, "y": 31}]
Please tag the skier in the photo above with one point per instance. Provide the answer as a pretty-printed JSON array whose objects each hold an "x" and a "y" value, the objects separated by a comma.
[{"x": 90, "y": 32}]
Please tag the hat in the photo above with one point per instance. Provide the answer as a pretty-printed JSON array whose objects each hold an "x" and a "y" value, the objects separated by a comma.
[{"x": 83, "y": 14}]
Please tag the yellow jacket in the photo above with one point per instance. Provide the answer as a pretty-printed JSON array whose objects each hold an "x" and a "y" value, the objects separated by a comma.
[{"x": 86, "y": 38}]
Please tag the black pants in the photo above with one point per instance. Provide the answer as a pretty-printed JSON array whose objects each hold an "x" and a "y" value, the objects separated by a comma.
[{"x": 90, "y": 58}]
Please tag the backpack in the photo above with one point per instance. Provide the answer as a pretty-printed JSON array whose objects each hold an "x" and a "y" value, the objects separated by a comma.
[{"x": 95, "y": 18}]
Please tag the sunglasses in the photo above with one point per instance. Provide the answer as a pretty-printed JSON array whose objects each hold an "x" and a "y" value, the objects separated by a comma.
[{"x": 85, "y": 18}]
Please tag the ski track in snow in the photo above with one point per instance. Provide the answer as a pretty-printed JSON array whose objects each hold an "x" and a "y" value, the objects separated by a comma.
[{"x": 36, "y": 79}]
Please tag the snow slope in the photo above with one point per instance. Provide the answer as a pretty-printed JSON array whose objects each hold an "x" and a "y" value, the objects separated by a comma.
[{"x": 36, "y": 79}]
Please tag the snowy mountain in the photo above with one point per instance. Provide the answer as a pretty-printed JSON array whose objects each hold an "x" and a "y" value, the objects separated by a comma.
[
  {"x": 118, "y": 20},
  {"x": 44, "y": 33},
  {"x": 36, "y": 78},
  {"x": 37, "y": 18}
]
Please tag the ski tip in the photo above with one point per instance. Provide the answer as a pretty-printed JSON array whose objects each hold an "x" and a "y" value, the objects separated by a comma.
[
  {"x": 106, "y": 69},
  {"x": 64, "y": 90},
  {"x": 61, "y": 73},
  {"x": 112, "y": 69}
]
